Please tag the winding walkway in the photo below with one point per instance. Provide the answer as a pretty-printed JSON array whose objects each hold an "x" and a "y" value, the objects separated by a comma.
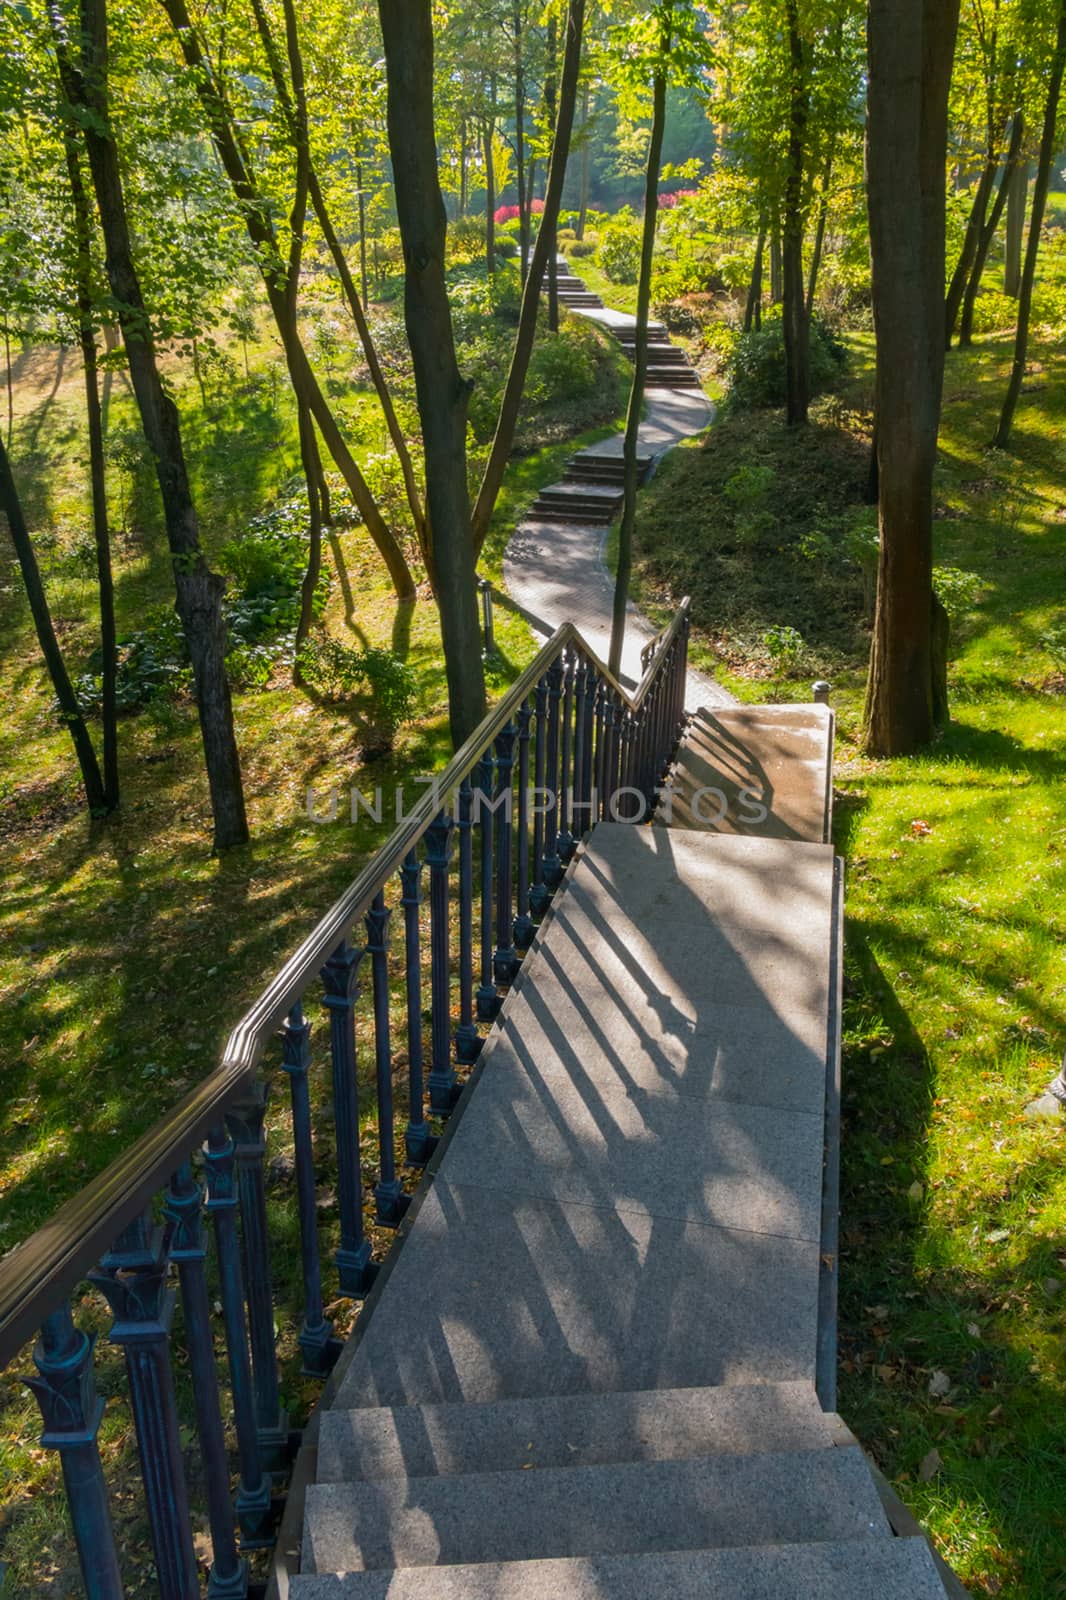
[{"x": 556, "y": 571}]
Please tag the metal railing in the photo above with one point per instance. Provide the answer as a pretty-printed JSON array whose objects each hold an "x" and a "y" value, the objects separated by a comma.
[{"x": 566, "y": 747}]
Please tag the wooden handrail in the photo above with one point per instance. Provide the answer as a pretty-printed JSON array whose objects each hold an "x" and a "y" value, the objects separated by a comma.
[{"x": 36, "y": 1273}]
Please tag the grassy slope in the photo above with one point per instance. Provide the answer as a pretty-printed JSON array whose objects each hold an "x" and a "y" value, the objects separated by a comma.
[
  {"x": 954, "y": 1207},
  {"x": 110, "y": 1007}
]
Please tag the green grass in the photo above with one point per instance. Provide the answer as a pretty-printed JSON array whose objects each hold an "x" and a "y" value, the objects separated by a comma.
[
  {"x": 953, "y": 1253},
  {"x": 127, "y": 951}
]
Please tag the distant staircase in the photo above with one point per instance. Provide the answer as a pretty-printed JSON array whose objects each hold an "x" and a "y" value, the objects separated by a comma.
[{"x": 601, "y": 1366}]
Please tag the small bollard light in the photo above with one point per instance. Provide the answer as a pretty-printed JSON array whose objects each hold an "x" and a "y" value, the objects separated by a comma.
[
  {"x": 486, "y": 614},
  {"x": 820, "y": 692}
]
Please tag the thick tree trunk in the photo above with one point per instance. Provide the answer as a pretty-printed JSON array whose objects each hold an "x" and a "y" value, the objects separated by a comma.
[
  {"x": 198, "y": 589},
  {"x": 1017, "y": 195},
  {"x": 69, "y": 710},
  {"x": 640, "y": 352},
  {"x": 97, "y": 469},
  {"x": 911, "y": 47},
  {"x": 753, "y": 309},
  {"x": 796, "y": 330},
  {"x": 988, "y": 232},
  {"x": 507, "y": 421},
  {"x": 443, "y": 396},
  {"x": 260, "y": 230},
  {"x": 1036, "y": 223}
]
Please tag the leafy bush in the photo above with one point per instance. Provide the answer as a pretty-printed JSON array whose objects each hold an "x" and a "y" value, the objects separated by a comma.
[
  {"x": 784, "y": 645},
  {"x": 578, "y": 249},
  {"x": 956, "y": 589},
  {"x": 560, "y": 365},
  {"x": 993, "y": 310},
  {"x": 506, "y": 247},
  {"x": 619, "y": 248},
  {"x": 338, "y": 673},
  {"x": 756, "y": 367}
]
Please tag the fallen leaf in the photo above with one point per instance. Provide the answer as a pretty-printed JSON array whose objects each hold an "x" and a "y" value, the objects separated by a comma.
[
  {"x": 939, "y": 1385},
  {"x": 931, "y": 1465}
]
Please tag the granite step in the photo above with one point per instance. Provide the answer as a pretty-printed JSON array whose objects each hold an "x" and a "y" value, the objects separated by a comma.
[
  {"x": 579, "y": 1430},
  {"x": 626, "y": 1507},
  {"x": 875, "y": 1569}
]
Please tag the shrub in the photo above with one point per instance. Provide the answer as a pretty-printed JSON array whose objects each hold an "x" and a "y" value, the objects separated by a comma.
[
  {"x": 506, "y": 248},
  {"x": 338, "y": 673},
  {"x": 956, "y": 589},
  {"x": 784, "y": 645},
  {"x": 619, "y": 248},
  {"x": 578, "y": 249},
  {"x": 560, "y": 365},
  {"x": 755, "y": 369}
]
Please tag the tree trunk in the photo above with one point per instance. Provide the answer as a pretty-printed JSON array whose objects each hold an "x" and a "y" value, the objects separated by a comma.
[
  {"x": 819, "y": 231},
  {"x": 520, "y": 138},
  {"x": 198, "y": 589},
  {"x": 488, "y": 128},
  {"x": 312, "y": 466},
  {"x": 261, "y": 233},
  {"x": 796, "y": 330},
  {"x": 547, "y": 224},
  {"x": 464, "y": 192},
  {"x": 1036, "y": 223},
  {"x": 988, "y": 232},
  {"x": 971, "y": 238},
  {"x": 363, "y": 282},
  {"x": 640, "y": 352},
  {"x": 1017, "y": 194},
  {"x": 69, "y": 709},
  {"x": 9, "y": 380},
  {"x": 586, "y": 167},
  {"x": 443, "y": 396},
  {"x": 753, "y": 309},
  {"x": 911, "y": 47},
  {"x": 775, "y": 265},
  {"x": 507, "y": 421},
  {"x": 97, "y": 469}
]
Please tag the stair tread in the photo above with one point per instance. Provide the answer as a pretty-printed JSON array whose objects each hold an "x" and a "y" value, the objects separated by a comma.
[
  {"x": 625, "y": 1507},
  {"x": 878, "y": 1569},
  {"x": 572, "y": 1430}
]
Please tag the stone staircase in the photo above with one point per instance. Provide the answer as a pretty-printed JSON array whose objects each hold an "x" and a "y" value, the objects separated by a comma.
[
  {"x": 600, "y": 1363},
  {"x": 668, "y": 365}
]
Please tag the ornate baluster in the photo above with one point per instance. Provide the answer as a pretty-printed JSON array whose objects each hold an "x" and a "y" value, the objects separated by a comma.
[
  {"x": 71, "y": 1411},
  {"x": 523, "y": 922},
  {"x": 577, "y": 816},
  {"x": 505, "y": 961},
  {"x": 565, "y": 842},
  {"x": 245, "y": 1124},
  {"x": 418, "y": 1140},
  {"x": 588, "y": 759},
  {"x": 442, "y": 1084},
  {"x": 553, "y": 870},
  {"x": 340, "y": 980},
  {"x": 389, "y": 1198},
  {"x": 601, "y": 781},
  {"x": 467, "y": 1038},
  {"x": 488, "y": 1001},
  {"x": 615, "y": 762},
  {"x": 133, "y": 1279},
  {"x": 254, "y": 1511},
  {"x": 538, "y": 895},
  {"x": 184, "y": 1211},
  {"x": 320, "y": 1349}
]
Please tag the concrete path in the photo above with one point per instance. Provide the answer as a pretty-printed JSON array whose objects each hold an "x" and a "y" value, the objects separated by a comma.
[
  {"x": 590, "y": 1371},
  {"x": 556, "y": 571}
]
